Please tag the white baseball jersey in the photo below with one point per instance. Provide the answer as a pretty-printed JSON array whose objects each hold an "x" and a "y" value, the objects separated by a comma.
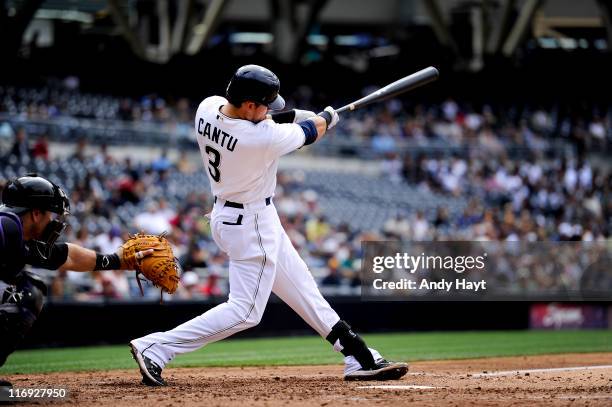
[{"x": 242, "y": 157}]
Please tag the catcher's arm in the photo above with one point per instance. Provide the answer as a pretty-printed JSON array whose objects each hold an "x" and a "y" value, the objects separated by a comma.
[{"x": 82, "y": 259}]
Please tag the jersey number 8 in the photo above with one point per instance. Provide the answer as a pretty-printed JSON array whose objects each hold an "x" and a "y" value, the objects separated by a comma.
[{"x": 214, "y": 159}]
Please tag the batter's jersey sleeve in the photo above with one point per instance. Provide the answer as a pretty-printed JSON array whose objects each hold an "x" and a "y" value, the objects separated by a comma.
[{"x": 284, "y": 138}]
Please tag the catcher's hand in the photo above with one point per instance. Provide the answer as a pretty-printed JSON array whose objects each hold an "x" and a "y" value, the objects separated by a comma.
[
  {"x": 138, "y": 255},
  {"x": 151, "y": 256}
]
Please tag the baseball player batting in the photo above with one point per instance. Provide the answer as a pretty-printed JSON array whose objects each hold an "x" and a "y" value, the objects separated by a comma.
[{"x": 241, "y": 144}]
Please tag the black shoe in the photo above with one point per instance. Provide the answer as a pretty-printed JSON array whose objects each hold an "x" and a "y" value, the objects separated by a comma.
[
  {"x": 151, "y": 372},
  {"x": 382, "y": 371},
  {"x": 4, "y": 383}
]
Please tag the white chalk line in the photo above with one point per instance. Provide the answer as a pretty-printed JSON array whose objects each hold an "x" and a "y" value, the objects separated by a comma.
[
  {"x": 397, "y": 387},
  {"x": 547, "y": 370}
]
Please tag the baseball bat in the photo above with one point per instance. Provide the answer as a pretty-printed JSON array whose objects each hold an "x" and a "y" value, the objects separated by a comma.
[{"x": 407, "y": 83}]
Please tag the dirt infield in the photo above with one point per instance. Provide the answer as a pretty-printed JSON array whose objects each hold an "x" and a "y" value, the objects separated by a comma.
[{"x": 455, "y": 383}]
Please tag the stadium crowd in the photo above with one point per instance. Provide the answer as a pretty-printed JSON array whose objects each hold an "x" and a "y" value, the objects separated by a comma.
[
  {"x": 552, "y": 200},
  {"x": 536, "y": 198},
  {"x": 532, "y": 199},
  {"x": 384, "y": 129}
]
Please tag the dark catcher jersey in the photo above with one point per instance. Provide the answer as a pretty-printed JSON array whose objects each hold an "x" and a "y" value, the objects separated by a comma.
[{"x": 15, "y": 253}]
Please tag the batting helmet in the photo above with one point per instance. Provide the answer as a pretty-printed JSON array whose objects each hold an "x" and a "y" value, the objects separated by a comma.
[{"x": 257, "y": 84}]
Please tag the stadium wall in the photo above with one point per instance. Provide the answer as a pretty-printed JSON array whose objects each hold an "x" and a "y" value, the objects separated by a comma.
[{"x": 80, "y": 324}]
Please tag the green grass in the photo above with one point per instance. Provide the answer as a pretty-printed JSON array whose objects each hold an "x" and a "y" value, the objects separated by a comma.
[{"x": 314, "y": 350}]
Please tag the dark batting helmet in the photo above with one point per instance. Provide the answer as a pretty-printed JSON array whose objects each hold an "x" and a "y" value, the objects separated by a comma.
[{"x": 257, "y": 84}]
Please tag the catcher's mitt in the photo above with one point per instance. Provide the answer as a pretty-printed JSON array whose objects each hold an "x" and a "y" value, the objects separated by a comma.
[{"x": 160, "y": 267}]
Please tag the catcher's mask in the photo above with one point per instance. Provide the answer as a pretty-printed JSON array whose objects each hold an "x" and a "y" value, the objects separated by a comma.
[{"x": 33, "y": 192}]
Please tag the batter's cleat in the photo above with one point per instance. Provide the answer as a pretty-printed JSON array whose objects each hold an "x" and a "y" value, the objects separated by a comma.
[
  {"x": 151, "y": 372},
  {"x": 382, "y": 371}
]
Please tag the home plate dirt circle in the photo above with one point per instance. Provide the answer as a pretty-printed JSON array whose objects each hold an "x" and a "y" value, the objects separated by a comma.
[{"x": 446, "y": 382}]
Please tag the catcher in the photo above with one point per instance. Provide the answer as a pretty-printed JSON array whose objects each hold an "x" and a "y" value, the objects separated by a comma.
[{"x": 32, "y": 217}]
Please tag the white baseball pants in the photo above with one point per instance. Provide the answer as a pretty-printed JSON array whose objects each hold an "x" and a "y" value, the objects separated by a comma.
[{"x": 262, "y": 260}]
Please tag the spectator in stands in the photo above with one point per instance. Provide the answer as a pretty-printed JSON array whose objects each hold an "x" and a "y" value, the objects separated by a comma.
[
  {"x": 419, "y": 227},
  {"x": 21, "y": 148},
  {"x": 183, "y": 164},
  {"x": 162, "y": 163},
  {"x": 189, "y": 287},
  {"x": 391, "y": 167},
  {"x": 80, "y": 151},
  {"x": 383, "y": 143},
  {"x": 108, "y": 289},
  {"x": 153, "y": 220},
  {"x": 103, "y": 157},
  {"x": 211, "y": 288},
  {"x": 110, "y": 241},
  {"x": 82, "y": 237},
  {"x": 397, "y": 227},
  {"x": 194, "y": 258},
  {"x": 116, "y": 284},
  {"x": 125, "y": 112},
  {"x": 442, "y": 218},
  {"x": 166, "y": 211},
  {"x": 317, "y": 228},
  {"x": 41, "y": 147},
  {"x": 58, "y": 286},
  {"x": 333, "y": 276},
  {"x": 128, "y": 189}
]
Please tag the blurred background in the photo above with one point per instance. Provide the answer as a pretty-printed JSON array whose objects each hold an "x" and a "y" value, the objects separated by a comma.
[{"x": 512, "y": 143}]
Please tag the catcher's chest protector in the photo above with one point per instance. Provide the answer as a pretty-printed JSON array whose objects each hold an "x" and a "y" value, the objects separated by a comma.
[{"x": 11, "y": 245}]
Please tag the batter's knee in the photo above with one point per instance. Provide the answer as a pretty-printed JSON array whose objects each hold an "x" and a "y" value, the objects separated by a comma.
[
  {"x": 247, "y": 312},
  {"x": 250, "y": 323},
  {"x": 253, "y": 318}
]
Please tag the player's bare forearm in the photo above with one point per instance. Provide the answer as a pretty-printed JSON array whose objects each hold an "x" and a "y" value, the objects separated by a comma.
[
  {"x": 321, "y": 125},
  {"x": 324, "y": 121},
  {"x": 79, "y": 259}
]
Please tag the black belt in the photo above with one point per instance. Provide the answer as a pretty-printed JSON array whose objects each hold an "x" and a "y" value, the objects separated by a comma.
[{"x": 231, "y": 204}]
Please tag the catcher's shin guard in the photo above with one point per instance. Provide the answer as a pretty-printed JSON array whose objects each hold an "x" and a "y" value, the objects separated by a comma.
[
  {"x": 351, "y": 344},
  {"x": 20, "y": 306}
]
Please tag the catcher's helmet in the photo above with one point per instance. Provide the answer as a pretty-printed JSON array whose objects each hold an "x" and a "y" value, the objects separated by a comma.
[
  {"x": 257, "y": 84},
  {"x": 34, "y": 192}
]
